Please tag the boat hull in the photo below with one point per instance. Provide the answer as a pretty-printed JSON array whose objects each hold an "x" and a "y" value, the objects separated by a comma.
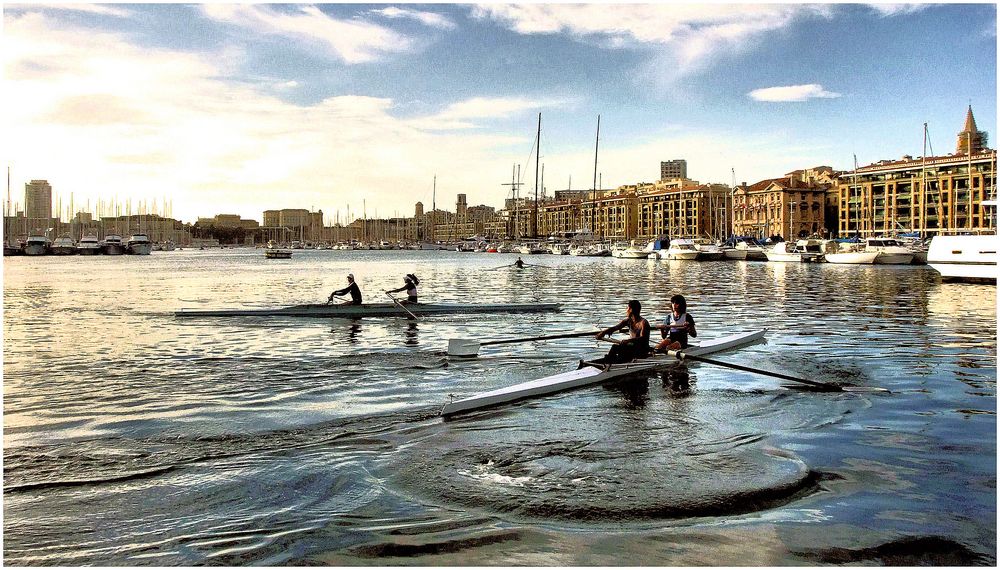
[
  {"x": 373, "y": 310},
  {"x": 589, "y": 375},
  {"x": 853, "y": 257},
  {"x": 965, "y": 258}
]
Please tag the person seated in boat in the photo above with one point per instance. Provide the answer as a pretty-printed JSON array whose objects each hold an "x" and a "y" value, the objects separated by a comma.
[
  {"x": 519, "y": 264},
  {"x": 677, "y": 327},
  {"x": 410, "y": 286},
  {"x": 637, "y": 345},
  {"x": 351, "y": 288}
]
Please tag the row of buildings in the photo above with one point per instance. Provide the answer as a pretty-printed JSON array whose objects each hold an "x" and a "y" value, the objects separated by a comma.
[{"x": 929, "y": 195}]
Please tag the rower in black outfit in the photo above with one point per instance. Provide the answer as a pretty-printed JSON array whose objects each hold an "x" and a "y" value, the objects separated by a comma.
[
  {"x": 351, "y": 288},
  {"x": 637, "y": 345}
]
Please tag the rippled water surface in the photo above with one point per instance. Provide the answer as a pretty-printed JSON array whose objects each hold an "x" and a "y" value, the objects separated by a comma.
[{"x": 132, "y": 437}]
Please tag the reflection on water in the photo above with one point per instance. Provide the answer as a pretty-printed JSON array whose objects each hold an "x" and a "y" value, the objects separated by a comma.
[{"x": 134, "y": 438}]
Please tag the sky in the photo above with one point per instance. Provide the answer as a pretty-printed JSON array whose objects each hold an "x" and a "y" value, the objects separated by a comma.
[{"x": 194, "y": 110}]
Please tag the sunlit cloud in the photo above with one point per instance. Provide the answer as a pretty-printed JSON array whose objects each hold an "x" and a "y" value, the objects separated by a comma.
[
  {"x": 352, "y": 41},
  {"x": 792, "y": 93},
  {"x": 683, "y": 38},
  {"x": 110, "y": 119},
  {"x": 431, "y": 19}
]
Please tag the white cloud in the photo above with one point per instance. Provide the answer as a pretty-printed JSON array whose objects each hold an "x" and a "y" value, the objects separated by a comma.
[
  {"x": 431, "y": 19},
  {"x": 102, "y": 9},
  {"x": 889, "y": 10},
  {"x": 792, "y": 93},
  {"x": 353, "y": 41},
  {"x": 461, "y": 115},
  {"x": 684, "y": 38}
]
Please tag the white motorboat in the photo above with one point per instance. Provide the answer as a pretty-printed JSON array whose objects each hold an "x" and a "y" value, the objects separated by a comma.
[
  {"x": 559, "y": 249},
  {"x": 803, "y": 250},
  {"x": 37, "y": 245},
  {"x": 89, "y": 245},
  {"x": 754, "y": 250},
  {"x": 590, "y": 374},
  {"x": 965, "y": 258},
  {"x": 533, "y": 248},
  {"x": 708, "y": 251},
  {"x": 138, "y": 244},
  {"x": 596, "y": 249},
  {"x": 680, "y": 249},
  {"x": 890, "y": 251},
  {"x": 734, "y": 253},
  {"x": 630, "y": 251},
  {"x": 64, "y": 245},
  {"x": 113, "y": 245},
  {"x": 851, "y": 254}
]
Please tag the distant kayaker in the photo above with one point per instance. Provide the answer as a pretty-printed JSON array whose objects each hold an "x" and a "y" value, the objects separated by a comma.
[
  {"x": 519, "y": 264},
  {"x": 637, "y": 345},
  {"x": 410, "y": 283},
  {"x": 677, "y": 327},
  {"x": 351, "y": 288}
]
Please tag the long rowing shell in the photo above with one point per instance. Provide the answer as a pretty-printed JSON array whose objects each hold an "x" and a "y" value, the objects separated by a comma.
[
  {"x": 589, "y": 375},
  {"x": 373, "y": 310}
]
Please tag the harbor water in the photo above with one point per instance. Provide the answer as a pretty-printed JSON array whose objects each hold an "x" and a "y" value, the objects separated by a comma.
[{"x": 133, "y": 437}]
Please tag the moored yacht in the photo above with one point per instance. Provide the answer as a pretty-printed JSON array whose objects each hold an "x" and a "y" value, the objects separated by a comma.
[
  {"x": 139, "y": 244},
  {"x": 850, "y": 253},
  {"x": 630, "y": 251},
  {"x": 113, "y": 245},
  {"x": 708, "y": 251},
  {"x": 89, "y": 245},
  {"x": 680, "y": 249},
  {"x": 37, "y": 245},
  {"x": 64, "y": 245},
  {"x": 965, "y": 258},
  {"x": 803, "y": 250},
  {"x": 890, "y": 251}
]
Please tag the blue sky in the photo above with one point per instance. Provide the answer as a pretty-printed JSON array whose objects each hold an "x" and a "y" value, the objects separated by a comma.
[{"x": 223, "y": 108}]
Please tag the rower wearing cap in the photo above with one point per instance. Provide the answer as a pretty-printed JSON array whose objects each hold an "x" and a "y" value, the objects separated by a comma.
[
  {"x": 410, "y": 286},
  {"x": 351, "y": 288}
]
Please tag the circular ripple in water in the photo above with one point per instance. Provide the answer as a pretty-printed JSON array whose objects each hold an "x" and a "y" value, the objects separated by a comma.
[{"x": 705, "y": 456}]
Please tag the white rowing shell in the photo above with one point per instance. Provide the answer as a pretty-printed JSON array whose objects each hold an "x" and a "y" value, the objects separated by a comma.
[{"x": 592, "y": 375}]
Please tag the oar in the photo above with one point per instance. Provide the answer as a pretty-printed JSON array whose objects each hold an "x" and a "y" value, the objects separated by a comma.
[
  {"x": 400, "y": 305},
  {"x": 470, "y": 347},
  {"x": 820, "y": 385},
  {"x": 679, "y": 355}
]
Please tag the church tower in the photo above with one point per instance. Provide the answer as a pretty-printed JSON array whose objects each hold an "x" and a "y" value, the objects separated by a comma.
[{"x": 970, "y": 140}]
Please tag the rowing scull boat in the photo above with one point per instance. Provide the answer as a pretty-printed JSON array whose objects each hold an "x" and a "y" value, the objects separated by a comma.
[
  {"x": 593, "y": 374},
  {"x": 372, "y": 310}
]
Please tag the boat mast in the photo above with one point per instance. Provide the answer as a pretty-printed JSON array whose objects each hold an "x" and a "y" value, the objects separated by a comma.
[
  {"x": 434, "y": 194},
  {"x": 593, "y": 206},
  {"x": 538, "y": 155}
]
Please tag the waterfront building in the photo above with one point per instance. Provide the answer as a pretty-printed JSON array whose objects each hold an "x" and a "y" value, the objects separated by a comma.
[
  {"x": 681, "y": 208},
  {"x": 676, "y": 168},
  {"x": 931, "y": 195},
  {"x": 38, "y": 206},
  {"x": 612, "y": 214},
  {"x": 791, "y": 207}
]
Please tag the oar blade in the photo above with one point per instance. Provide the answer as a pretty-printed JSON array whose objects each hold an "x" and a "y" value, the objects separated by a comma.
[{"x": 463, "y": 347}]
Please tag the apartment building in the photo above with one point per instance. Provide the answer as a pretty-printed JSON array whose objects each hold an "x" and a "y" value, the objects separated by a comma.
[
  {"x": 791, "y": 207},
  {"x": 930, "y": 195}
]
